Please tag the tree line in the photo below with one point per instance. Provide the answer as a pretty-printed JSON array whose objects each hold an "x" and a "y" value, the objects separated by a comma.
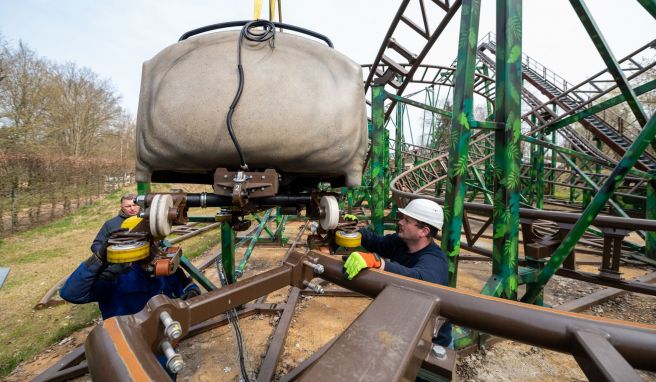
[{"x": 64, "y": 138}]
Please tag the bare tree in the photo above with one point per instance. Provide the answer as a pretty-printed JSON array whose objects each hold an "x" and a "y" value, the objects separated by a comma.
[
  {"x": 22, "y": 98},
  {"x": 81, "y": 108}
]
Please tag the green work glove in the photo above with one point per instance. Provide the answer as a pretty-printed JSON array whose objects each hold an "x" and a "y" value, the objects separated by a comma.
[
  {"x": 351, "y": 218},
  {"x": 358, "y": 261}
]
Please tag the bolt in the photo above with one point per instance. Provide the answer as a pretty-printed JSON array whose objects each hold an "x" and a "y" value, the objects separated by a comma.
[
  {"x": 263, "y": 177},
  {"x": 318, "y": 268},
  {"x": 315, "y": 287},
  {"x": 439, "y": 352},
  {"x": 225, "y": 176},
  {"x": 172, "y": 329},
  {"x": 174, "y": 360}
]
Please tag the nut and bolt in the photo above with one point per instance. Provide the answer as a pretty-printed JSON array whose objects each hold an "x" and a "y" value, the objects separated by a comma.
[
  {"x": 439, "y": 352},
  {"x": 172, "y": 329},
  {"x": 174, "y": 360},
  {"x": 314, "y": 287},
  {"x": 318, "y": 268}
]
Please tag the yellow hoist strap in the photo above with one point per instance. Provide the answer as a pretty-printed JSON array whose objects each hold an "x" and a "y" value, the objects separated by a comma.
[{"x": 257, "y": 9}]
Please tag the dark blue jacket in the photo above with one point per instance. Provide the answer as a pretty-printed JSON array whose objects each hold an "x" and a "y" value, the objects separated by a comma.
[
  {"x": 427, "y": 264},
  {"x": 110, "y": 226},
  {"x": 125, "y": 294}
]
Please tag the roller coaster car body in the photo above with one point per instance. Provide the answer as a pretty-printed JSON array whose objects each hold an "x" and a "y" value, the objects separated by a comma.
[{"x": 301, "y": 113}]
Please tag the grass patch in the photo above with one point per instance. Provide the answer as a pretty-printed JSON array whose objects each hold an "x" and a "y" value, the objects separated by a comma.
[{"x": 38, "y": 259}]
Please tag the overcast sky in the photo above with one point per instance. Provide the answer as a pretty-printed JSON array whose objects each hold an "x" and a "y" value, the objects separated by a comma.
[{"x": 114, "y": 37}]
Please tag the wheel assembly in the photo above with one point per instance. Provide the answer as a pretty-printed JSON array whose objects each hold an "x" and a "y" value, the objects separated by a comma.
[
  {"x": 329, "y": 212},
  {"x": 160, "y": 225},
  {"x": 128, "y": 252}
]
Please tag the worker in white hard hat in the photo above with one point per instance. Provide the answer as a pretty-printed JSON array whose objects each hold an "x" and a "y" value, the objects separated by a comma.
[{"x": 411, "y": 252}]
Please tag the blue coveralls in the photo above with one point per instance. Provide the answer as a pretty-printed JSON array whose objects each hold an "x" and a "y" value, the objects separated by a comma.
[
  {"x": 125, "y": 294},
  {"x": 427, "y": 264}
]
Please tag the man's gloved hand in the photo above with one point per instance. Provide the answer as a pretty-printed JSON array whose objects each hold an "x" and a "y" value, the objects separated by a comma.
[
  {"x": 191, "y": 290},
  {"x": 101, "y": 254},
  {"x": 112, "y": 271},
  {"x": 358, "y": 261},
  {"x": 351, "y": 218}
]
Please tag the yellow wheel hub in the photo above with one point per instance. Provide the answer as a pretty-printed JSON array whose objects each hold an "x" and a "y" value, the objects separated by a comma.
[
  {"x": 127, "y": 253},
  {"x": 348, "y": 239}
]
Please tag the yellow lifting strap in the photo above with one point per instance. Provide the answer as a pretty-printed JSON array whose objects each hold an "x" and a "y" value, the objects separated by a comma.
[{"x": 257, "y": 9}]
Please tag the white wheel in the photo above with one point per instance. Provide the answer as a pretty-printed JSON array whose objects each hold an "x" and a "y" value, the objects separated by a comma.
[
  {"x": 160, "y": 226},
  {"x": 330, "y": 209}
]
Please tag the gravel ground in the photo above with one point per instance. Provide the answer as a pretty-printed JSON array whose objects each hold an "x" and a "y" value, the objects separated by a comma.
[{"x": 512, "y": 361}]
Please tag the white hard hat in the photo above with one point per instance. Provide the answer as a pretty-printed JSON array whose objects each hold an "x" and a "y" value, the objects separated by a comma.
[{"x": 425, "y": 211}]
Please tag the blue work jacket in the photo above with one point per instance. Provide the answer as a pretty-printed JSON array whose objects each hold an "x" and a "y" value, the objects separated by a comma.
[{"x": 125, "y": 294}]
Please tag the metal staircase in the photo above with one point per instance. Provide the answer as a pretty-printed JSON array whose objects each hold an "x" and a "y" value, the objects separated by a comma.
[{"x": 570, "y": 102}]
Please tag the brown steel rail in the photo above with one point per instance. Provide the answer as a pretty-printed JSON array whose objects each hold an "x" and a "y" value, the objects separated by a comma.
[{"x": 123, "y": 347}]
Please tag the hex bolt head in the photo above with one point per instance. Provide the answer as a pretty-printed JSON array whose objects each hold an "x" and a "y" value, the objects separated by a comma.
[
  {"x": 172, "y": 329},
  {"x": 174, "y": 360},
  {"x": 175, "y": 364},
  {"x": 439, "y": 352}
]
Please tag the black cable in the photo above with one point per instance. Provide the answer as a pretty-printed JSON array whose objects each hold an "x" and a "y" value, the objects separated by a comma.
[
  {"x": 233, "y": 318},
  {"x": 268, "y": 33}
]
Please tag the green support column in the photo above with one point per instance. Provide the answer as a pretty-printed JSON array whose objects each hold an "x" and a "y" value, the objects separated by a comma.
[
  {"x": 507, "y": 151},
  {"x": 398, "y": 149},
  {"x": 650, "y": 213},
  {"x": 228, "y": 251},
  {"x": 552, "y": 174},
  {"x": 460, "y": 134},
  {"x": 143, "y": 188},
  {"x": 539, "y": 181},
  {"x": 378, "y": 147},
  {"x": 610, "y": 185},
  {"x": 572, "y": 180}
]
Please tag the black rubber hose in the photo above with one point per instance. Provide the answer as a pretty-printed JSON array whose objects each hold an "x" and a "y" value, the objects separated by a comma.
[{"x": 248, "y": 32}]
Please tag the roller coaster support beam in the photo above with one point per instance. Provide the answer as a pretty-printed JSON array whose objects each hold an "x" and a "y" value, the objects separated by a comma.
[
  {"x": 143, "y": 188},
  {"x": 618, "y": 99},
  {"x": 228, "y": 251},
  {"x": 650, "y": 208},
  {"x": 507, "y": 152},
  {"x": 610, "y": 185},
  {"x": 378, "y": 147},
  {"x": 399, "y": 163},
  {"x": 460, "y": 134},
  {"x": 650, "y": 6}
]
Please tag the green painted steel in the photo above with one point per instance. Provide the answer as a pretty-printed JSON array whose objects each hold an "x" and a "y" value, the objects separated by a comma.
[
  {"x": 592, "y": 184},
  {"x": 460, "y": 134},
  {"x": 228, "y": 251},
  {"x": 610, "y": 185},
  {"x": 244, "y": 260},
  {"x": 639, "y": 90},
  {"x": 650, "y": 6},
  {"x": 507, "y": 151},
  {"x": 579, "y": 155},
  {"x": 539, "y": 196},
  {"x": 266, "y": 228},
  {"x": 399, "y": 164},
  {"x": 650, "y": 213},
  {"x": 196, "y": 274},
  {"x": 378, "y": 148},
  {"x": 613, "y": 67},
  {"x": 143, "y": 188},
  {"x": 420, "y": 105}
]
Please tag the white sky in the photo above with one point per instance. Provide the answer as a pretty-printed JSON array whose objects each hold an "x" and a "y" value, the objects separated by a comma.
[{"x": 114, "y": 37}]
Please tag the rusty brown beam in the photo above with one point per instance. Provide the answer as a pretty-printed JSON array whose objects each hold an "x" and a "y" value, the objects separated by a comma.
[
  {"x": 268, "y": 366},
  {"x": 598, "y": 297},
  {"x": 530, "y": 324},
  {"x": 70, "y": 366},
  {"x": 387, "y": 342}
]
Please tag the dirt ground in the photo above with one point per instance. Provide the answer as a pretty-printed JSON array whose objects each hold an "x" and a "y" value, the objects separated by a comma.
[{"x": 212, "y": 355}]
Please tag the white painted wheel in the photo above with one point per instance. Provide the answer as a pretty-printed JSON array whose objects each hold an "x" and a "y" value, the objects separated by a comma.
[
  {"x": 330, "y": 209},
  {"x": 160, "y": 226}
]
